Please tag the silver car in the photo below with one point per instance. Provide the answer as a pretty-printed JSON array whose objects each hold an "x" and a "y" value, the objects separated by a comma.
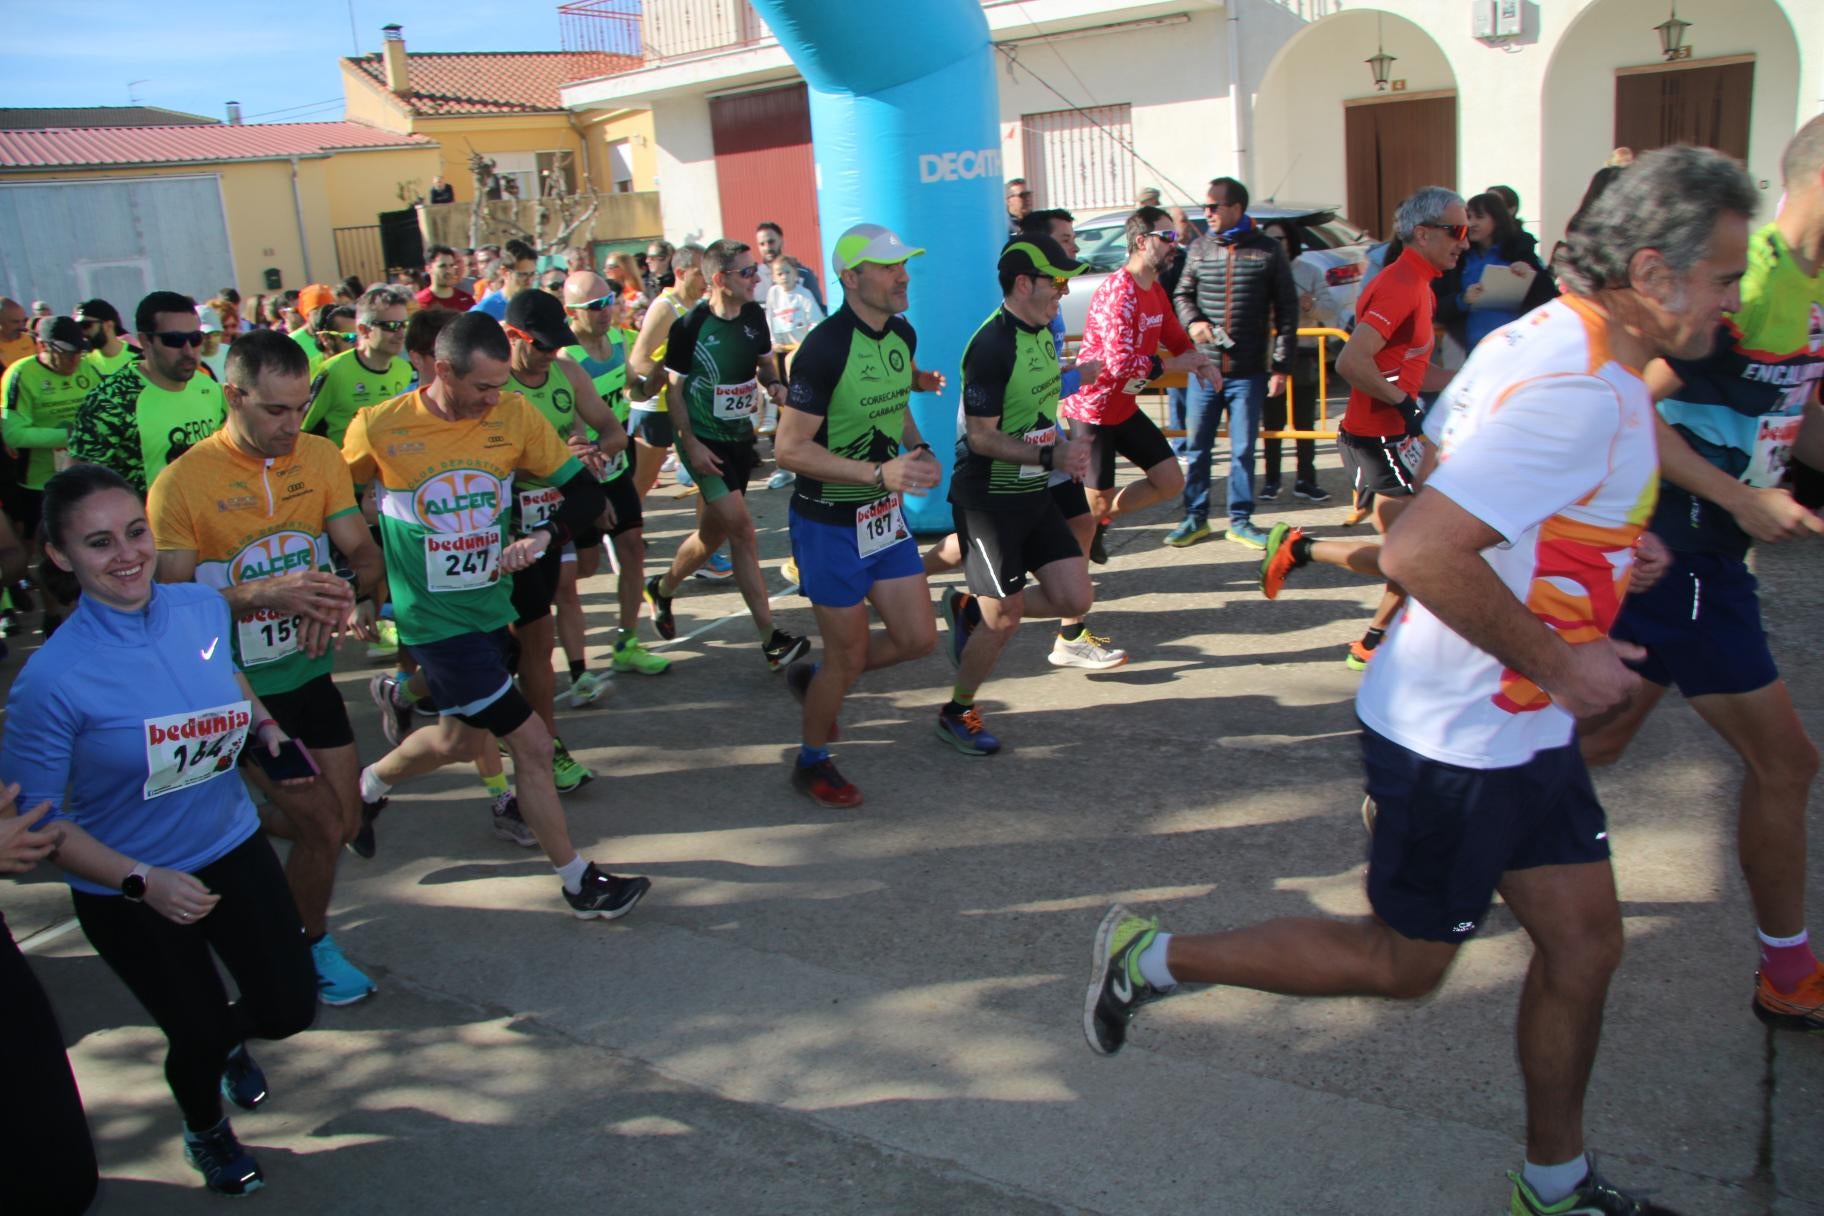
[{"x": 1328, "y": 270}]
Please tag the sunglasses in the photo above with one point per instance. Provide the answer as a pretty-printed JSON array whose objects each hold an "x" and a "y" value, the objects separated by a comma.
[
  {"x": 749, "y": 272},
  {"x": 391, "y": 327},
  {"x": 175, "y": 341},
  {"x": 1168, "y": 235},
  {"x": 1458, "y": 232},
  {"x": 541, "y": 347},
  {"x": 1216, "y": 206},
  {"x": 338, "y": 333},
  {"x": 599, "y": 304},
  {"x": 1019, "y": 194}
]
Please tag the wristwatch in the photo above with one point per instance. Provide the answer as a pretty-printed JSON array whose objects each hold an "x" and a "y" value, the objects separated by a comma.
[
  {"x": 133, "y": 886},
  {"x": 1047, "y": 455}
]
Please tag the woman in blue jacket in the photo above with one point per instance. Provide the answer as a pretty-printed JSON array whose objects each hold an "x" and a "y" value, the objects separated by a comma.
[
  {"x": 135, "y": 707},
  {"x": 1496, "y": 242}
]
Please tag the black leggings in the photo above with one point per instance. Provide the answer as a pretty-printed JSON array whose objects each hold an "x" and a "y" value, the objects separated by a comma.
[
  {"x": 46, "y": 1157},
  {"x": 1304, "y": 418},
  {"x": 256, "y": 932}
]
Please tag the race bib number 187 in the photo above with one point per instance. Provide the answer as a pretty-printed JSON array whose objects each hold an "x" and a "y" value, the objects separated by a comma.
[
  {"x": 190, "y": 748},
  {"x": 878, "y": 525}
]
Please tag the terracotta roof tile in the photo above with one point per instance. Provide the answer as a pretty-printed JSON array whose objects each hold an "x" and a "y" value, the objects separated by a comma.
[
  {"x": 72, "y": 147},
  {"x": 491, "y": 82}
]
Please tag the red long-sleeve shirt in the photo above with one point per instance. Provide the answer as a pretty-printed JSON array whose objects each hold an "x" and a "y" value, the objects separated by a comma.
[{"x": 1126, "y": 327}]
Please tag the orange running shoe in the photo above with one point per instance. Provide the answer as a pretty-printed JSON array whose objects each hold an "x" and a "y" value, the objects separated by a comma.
[
  {"x": 1358, "y": 657},
  {"x": 1802, "y": 1009},
  {"x": 1279, "y": 561}
]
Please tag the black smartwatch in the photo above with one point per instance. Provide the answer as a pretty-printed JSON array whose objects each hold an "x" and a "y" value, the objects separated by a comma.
[{"x": 133, "y": 886}]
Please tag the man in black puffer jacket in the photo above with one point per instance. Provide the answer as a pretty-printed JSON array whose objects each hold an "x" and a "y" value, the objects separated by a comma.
[{"x": 1235, "y": 293}]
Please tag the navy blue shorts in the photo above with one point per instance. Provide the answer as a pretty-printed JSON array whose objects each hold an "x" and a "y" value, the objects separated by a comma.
[
  {"x": 831, "y": 571},
  {"x": 1701, "y": 625},
  {"x": 1444, "y": 835},
  {"x": 471, "y": 678}
]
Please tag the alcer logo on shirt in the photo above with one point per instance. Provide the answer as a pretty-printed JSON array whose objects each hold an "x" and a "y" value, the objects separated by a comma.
[
  {"x": 280, "y": 553},
  {"x": 458, "y": 500}
]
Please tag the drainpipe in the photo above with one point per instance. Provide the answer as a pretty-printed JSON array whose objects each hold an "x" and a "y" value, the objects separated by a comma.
[
  {"x": 297, "y": 203},
  {"x": 1238, "y": 129}
]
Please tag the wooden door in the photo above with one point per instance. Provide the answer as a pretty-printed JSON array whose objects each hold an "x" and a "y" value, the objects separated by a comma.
[
  {"x": 1390, "y": 149},
  {"x": 1708, "y": 105},
  {"x": 765, "y": 170}
]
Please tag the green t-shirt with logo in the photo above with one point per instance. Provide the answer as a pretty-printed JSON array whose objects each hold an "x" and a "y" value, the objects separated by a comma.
[
  {"x": 858, "y": 381},
  {"x": 308, "y": 340},
  {"x": 105, "y": 365},
  {"x": 610, "y": 379},
  {"x": 719, "y": 360},
  {"x": 346, "y": 384},
  {"x": 1010, "y": 373},
  {"x": 136, "y": 428},
  {"x": 37, "y": 409}
]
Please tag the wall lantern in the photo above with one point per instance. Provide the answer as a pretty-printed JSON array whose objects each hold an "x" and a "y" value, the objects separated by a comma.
[
  {"x": 1380, "y": 61},
  {"x": 1672, "y": 35}
]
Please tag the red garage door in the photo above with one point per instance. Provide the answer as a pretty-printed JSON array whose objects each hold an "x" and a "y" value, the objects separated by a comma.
[{"x": 763, "y": 164}]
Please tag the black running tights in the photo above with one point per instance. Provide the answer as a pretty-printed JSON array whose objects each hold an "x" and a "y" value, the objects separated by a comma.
[{"x": 47, "y": 1161}]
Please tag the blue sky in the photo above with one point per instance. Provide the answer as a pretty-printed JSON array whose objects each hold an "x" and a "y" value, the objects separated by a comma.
[{"x": 278, "y": 60}]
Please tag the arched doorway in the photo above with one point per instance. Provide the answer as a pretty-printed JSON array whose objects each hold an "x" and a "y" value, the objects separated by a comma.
[
  {"x": 1323, "y": 134},
  {"x": 1606, "y": 87}
]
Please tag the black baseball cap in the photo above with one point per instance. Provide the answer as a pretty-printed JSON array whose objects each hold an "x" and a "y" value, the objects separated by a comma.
[
  {"x": 98, "y": 310},
  {"x": 1034, "y": 254},
  {"x": 541, "y": 314},
  {"x": 60, "y": 333}
]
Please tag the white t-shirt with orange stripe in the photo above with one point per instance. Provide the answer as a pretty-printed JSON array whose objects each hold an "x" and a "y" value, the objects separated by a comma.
[{"x": 1548, "y": 440}]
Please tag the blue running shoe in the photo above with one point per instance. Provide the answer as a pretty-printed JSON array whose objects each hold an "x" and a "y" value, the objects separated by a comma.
[
  {"x": 227, "y": 1168},
  {"x": 717, "y": 568},
  {"x": 242, "y": 1081},
  {"x": 339, "y": 982},
  {"x": 966, "y": 734}
]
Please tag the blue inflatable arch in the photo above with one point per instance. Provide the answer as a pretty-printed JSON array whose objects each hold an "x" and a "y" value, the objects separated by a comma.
[{"x": 906, "y": 132}]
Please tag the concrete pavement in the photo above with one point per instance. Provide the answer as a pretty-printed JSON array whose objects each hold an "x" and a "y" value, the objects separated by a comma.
[{"x": 878, "y": 1011}]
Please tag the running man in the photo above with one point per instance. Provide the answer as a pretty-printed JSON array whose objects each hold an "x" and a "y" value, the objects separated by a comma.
[
  {"x": 592, "y": 308},
  {"x": 1517, "y": 554},
  {"x": 1730, "y": 420},
  {"x": 1006, "y": 519},
  {"x": 1130, "y": 320},
  {"x": 39, "y": 398},
  {"x": 149, "y": 413},
  {"x": 653, "y": 434},
  {"x": 848, "y": 435},
  {"x": 252, "y": 511},
  {"x": 720, "y": 357},
  {"x": 1387, "y": 362},
  {"x": 374, "y": 370},
  {"x": 445, "y": 457},
  {"x": 101, "y": 329}
]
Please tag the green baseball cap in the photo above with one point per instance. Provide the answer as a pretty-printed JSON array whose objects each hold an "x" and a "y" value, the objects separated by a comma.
[{"x": 871, "y": 243}]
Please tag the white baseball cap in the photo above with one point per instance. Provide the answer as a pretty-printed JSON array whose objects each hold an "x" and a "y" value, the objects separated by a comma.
[{"x": 871, "y": 243}]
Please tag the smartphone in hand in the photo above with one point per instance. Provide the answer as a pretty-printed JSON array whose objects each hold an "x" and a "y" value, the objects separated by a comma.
[{"x": 293, "y": 763}]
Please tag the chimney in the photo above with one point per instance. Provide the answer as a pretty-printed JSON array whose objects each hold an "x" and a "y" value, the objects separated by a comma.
[
  {"x": 234, "y": 113},
  {"x": 398, "y": 73}
]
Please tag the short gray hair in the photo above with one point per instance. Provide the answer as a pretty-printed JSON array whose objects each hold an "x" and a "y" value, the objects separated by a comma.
[
  {"x": 1669, "y": 200},
  {"x": 377, "y": 299},
  {"x": 688, "y": 257},
  {"x": 1426, "y": 205}
]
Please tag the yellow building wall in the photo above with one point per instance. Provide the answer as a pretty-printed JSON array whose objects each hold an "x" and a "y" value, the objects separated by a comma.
[
  {"x": 361, "y": 185},
  {"x": 634, "y": 126},
  {"x": 508, "y": 133}
]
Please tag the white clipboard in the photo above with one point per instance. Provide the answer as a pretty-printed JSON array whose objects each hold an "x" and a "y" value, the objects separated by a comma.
[{"x": 1502, "y": 288}]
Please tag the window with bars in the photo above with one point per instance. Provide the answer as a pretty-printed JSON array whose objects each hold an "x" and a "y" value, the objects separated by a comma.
[{"x": 1079, "y": 159}]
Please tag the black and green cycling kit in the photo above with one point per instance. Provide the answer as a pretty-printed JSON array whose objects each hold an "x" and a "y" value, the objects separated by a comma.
[
  {"x": 1010, "y": 373},
  {"x": 718, "y": 360},
  {"x": 610, "y": 379},
  {"x": 858, "y": 381}
]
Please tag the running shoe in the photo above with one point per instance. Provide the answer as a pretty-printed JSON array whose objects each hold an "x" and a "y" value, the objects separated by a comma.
[
  {"x": 227, "y": 1167},
  {"x": 662, "y": 620},
  {"x": 243, "y": 1082},
  {"x": 671, "y": 463},
  {"x": 1268, "y": 491},
  {"x": 395, "y": 719},
  {"x": 1090, "y": 651},
  {"x": 781, "y": 479},
  {"x": 966, "y": 733},
  {"x": 784, "y": 649},
  {"x": 717, "y": 569},
  {"x": 956, "y": 617},
  {"x": 587, "y": 689},
  {"x": 1116, "y": 987},
  {"x": 1310, "y": 491},
  {"x": 606, "y": 896},
  {"x": 1098, "y": 552},
  {"x": 508, "y": 825},
  {"x": 566, "y": 771},
  {"x": 1279, "y": 561},
  {"x": 788, "y": 570},
  {"x": 1359, "y": 656},
  {"x": 339, "y": 982},
  {"x": 1188, "y": 533},
  {"x": 386, "y": 644},
  {"x": 1243, "y": 532},
  {"x": 1801, "y": 1009},
  {"x": 822, "y": 784},
  {"x": 631, "y": 655},
  {"x": 363, "y": 845},
  {"x": 1594, "y": 1198},
  {"x": 798, "y": 678}
]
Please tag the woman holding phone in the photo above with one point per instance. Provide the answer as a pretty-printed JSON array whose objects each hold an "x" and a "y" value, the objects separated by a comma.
[{"x": 135, "y": 706}]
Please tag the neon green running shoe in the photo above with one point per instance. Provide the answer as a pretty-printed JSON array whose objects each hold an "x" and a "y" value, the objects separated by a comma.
[
  {"x": 566, "y": 771},
  {"x": 386, "y": 644},
  {"x": 631, "y": 655},
  {"x": 587, "y": 689},
  {"x": 1595, "y": 1197},
  {"x": 1116, "y": 987}
]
